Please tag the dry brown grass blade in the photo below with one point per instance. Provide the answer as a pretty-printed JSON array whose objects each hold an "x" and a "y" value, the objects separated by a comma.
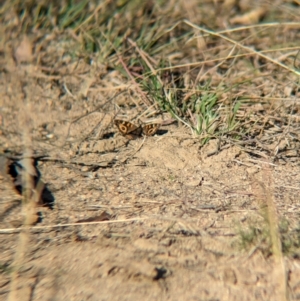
[
  {"x": 144, "y": 98},
  {"x": 250, "y": 50},
  {"x": 14, "y": 230},
  {"x": 144, "y": 57},
  {"x": 30, "y": 199},
  {"x": 264, "y": 190},
  {"x": 280, "y": 270},
  {"x": 133, "y": 81}
]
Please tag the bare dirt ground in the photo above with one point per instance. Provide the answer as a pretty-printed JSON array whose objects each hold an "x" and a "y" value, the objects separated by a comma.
[{"x": 157, "y": 218}]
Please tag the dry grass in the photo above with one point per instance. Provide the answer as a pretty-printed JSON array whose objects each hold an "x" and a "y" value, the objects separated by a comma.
[{"x": 229, "y": 72}]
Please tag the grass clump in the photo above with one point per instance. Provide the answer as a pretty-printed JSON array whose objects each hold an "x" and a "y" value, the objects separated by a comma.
[
  {"x": 200, "y": 107},
  {"x": 257, "y": 237}
]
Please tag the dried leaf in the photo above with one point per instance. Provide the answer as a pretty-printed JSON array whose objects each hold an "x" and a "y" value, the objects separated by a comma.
[
  {"x": 23, "y": 52},
  {"x": 249, "y": 18}
]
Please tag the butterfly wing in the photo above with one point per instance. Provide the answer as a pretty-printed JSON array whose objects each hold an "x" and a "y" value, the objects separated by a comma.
[
  {"x": 150, "y": 129},
  {"x": 128, "y": 129}
]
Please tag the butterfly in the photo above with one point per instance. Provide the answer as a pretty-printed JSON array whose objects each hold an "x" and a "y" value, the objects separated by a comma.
[{"x": 131, "y": 131}]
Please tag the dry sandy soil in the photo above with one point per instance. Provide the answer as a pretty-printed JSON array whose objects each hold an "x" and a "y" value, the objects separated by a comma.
[{"x": 156, "y": 218}]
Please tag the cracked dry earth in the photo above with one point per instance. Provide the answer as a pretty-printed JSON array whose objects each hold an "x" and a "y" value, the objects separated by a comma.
[{"x": 172, "y": 215}]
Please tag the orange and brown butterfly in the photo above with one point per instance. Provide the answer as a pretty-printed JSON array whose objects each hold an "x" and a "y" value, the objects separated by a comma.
[
  {"x": 150, "y": 129},
  {"x": 131, "y": 131}
]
